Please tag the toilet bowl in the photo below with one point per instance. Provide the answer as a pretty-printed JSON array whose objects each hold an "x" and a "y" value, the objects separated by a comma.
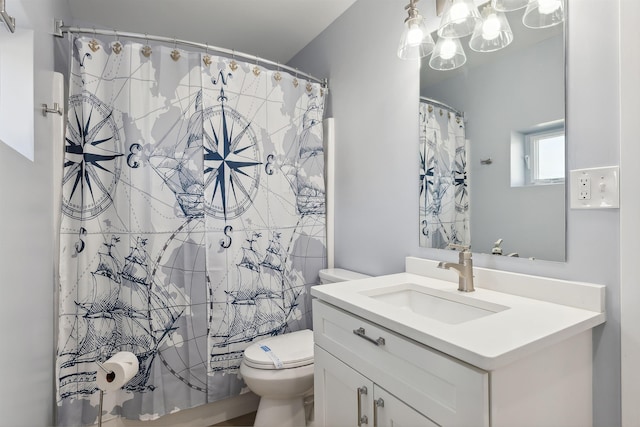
[{"x": 280, "y": 369}]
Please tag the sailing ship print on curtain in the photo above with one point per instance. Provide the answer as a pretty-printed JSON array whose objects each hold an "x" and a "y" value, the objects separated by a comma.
[
  {"x": 193, "y": 222},
  {"x": 444, "y": 184}
]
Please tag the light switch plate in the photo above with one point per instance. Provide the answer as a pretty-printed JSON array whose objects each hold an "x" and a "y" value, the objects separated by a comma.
[{"x": 595, "y": 188}]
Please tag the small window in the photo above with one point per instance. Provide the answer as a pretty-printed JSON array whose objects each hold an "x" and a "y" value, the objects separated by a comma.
[{"x": 544, "y": 157}]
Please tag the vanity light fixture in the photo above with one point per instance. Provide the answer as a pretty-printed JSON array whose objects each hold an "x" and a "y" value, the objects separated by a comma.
[
  {"x": 416, "y": 41},
  {"x": 447, "y": 55},
  {"x": 492, "y": 32},
  {"x": 459, "y": 19},
  {"x": 543, "y": 13}
]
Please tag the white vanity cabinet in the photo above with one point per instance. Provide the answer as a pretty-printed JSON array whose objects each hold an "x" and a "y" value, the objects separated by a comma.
[
  {"x": 419, "y": 386},
  {"x": 416, "y": 385}
]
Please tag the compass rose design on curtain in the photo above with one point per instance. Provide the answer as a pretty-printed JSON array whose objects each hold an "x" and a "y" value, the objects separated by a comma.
[
  {"x": 444, "y": 184},
  {"x": 194, "y": 222}
]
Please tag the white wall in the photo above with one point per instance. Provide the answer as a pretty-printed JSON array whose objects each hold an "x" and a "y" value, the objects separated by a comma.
[
  {"x": 374, "y": 98},
  {"x": 26, "y": 251}
]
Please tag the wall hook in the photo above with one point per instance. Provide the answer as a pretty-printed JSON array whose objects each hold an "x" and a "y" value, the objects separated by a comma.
[{"x": 56, "y": 109}]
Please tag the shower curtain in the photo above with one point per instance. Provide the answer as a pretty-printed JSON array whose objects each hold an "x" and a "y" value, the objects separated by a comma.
[
  {"x": 444, "y": 181},
  {"x": 193, "y": 222}
]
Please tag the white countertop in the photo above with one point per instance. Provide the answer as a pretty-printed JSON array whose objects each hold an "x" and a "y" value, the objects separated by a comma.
[{"x": 489, "y": 342}]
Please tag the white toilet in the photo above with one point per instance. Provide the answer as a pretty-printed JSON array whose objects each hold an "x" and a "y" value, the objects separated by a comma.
[{"x": 280, "y": 369}]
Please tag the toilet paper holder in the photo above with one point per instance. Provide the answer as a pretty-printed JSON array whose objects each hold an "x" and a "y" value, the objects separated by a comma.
[
  {"x": 110, "y": 374},
  {"x": 116, "y": 377}
]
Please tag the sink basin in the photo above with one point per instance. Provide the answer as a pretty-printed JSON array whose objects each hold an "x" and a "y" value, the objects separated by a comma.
[{"x": 438, "y": 305}]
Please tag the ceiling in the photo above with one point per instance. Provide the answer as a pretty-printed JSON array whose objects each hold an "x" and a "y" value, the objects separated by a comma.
[{"x": 271, "y": 29}]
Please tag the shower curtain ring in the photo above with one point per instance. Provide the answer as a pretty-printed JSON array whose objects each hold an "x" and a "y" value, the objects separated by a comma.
[
  {"x": 206, "y": 59},
  {"x": 233, "y": 64},
  {"x": 295, "y": 79},
  {"x": 256, "y": 69},
  {"x": 175, "y": 53},
  {"x": 116, "y": 46},
  {"x": 146, "y": 49},
  {"x": 93, "y": 44},
  {"x": 277, "y": 77}
]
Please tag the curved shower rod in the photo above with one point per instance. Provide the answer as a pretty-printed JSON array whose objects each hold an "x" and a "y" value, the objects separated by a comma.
[
  {"x": 442, "y": 105},
  {"x": 60, "y": 29}
]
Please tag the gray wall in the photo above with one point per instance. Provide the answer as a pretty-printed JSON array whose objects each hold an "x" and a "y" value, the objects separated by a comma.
[
  {"x": 512, "y": 93},
  {"x": 373, "y": 97},
  {"x": 26, "y": 252}
]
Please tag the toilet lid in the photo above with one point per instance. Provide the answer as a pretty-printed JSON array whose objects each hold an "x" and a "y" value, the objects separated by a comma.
[{"x": 290, "y": 350}]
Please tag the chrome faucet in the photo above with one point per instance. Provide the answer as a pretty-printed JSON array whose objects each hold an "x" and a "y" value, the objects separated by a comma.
[{"x": 464, "y": 269}]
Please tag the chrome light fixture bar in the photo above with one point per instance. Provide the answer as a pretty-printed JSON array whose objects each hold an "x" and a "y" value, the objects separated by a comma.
[{"x": 9, "y": 20}]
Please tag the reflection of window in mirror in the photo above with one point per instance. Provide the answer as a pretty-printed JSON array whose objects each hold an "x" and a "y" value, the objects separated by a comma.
[{"x": 537, "y": 156}]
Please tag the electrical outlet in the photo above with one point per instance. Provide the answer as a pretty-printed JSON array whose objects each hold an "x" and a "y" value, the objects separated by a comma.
[
  {"x": 584, "y": 187},
  {"x": 595, "y": 188}
]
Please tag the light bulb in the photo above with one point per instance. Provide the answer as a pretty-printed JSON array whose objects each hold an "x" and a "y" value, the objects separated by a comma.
[
  {"x": 459, "y": 12},
  {"x": 448, "y": 50},
  {"x": 491, "y": 27},
  {"x": 546, "y": 7},
  {"x": 414, "y": 35}
]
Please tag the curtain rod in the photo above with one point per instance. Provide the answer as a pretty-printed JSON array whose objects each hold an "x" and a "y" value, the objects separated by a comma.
[
  {"x": 60, "y": 29},
  {"x": 440, "y": 104}
]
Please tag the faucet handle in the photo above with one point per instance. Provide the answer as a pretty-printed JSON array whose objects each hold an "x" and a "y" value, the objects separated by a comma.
[{"x": 464, "y": 256}]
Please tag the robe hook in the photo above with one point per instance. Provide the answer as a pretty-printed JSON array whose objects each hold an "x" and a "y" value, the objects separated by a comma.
[{"x": 56, "y": 109}]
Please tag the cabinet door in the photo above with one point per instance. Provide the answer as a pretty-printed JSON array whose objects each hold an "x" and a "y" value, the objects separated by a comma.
[
  {"x": 343, "y": 397},
  {"x": 389, "y": 411}
]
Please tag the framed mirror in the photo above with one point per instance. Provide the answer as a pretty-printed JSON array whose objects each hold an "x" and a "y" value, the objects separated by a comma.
[{"x": 492, "y": 149}]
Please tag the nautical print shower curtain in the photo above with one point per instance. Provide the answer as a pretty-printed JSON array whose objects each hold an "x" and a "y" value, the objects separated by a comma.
[
  {"x": 444, "y": 192},
  {"x": 193, "y": 222}
]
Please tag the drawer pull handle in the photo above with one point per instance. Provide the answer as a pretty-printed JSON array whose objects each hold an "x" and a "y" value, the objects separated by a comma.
[
  {"x": 360, "y": 332},
  {"x": 379, "y": 403},
  {"x": 362, "y": 419}
]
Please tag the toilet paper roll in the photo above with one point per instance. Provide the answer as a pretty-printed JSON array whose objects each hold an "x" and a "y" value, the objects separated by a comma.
[{"x": 118, "y": 371}]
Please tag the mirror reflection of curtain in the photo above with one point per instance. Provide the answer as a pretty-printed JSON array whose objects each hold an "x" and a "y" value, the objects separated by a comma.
[{"x": 444, "y": 184}]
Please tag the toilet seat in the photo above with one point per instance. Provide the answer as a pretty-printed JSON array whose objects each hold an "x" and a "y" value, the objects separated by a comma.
[{"x": 293, "y": 350}]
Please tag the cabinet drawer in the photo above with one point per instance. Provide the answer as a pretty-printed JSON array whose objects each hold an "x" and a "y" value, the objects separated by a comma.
[{"x": 444, "y": 389}]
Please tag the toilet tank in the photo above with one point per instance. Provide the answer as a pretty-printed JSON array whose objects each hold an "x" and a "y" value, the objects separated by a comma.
[{"x": 332, "y": 275}]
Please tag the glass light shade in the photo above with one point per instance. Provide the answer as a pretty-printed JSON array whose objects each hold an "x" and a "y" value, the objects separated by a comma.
[
  {"x": 543, "y": 13},
  {"x": 415, "y": 42},
  {"x": 492, "y": 33},
  {"x": 508, "y": 5},
  {"x": 459, "y": 19},
  {"x": 447, "y": 55}
]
